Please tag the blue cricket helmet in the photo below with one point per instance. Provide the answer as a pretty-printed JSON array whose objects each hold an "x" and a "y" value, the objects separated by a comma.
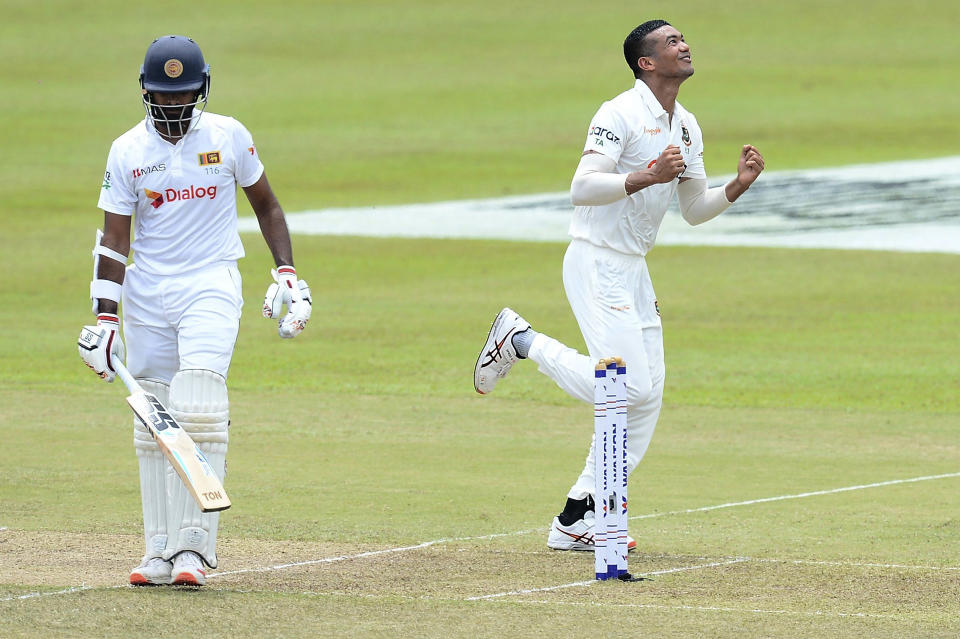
[{"x": 174, "y": 64}]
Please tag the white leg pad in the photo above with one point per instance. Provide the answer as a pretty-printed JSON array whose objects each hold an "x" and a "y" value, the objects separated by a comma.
[
  {"x": 153, "y": 477},
  {"x": 198, "y": 401}
]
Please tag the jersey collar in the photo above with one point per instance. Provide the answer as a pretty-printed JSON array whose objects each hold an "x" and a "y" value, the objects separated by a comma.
[{"x": 649, "y": 100}]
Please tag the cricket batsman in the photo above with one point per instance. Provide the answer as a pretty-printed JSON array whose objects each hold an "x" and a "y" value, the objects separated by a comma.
[{"x": 175, "y": 175}]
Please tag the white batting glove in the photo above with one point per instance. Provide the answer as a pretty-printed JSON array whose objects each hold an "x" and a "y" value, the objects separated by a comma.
[
  {"x": 100, "y": 344},
  {"x": 295, "y": 293}
]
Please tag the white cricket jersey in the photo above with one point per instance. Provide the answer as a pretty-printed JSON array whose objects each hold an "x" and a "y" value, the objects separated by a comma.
[
  {"x": 183, "y": 196},
  {"x": 633, "y": 129}
]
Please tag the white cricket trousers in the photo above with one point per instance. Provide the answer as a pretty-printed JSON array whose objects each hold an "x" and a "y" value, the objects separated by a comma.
[
  {"x": 185, "y": 321},
  {"x": 613, "y": 300}
]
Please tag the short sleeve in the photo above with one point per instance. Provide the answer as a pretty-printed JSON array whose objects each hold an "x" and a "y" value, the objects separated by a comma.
[
  {"x": 116, "y": 193},
  {"x": 607, "y": 133},
  {"x": 249, "y": 168}
]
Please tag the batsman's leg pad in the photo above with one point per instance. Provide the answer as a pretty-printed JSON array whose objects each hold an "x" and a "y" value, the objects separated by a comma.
[
  {"x": 198, "y": 401},
  {"x": 153, "y": 477}
]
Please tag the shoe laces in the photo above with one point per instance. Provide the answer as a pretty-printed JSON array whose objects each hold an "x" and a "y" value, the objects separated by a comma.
[{"x": 188, "y": 559}]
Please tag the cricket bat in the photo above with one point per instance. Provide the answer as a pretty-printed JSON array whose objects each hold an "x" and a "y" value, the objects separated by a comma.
[{"x": 182, "y": 452}]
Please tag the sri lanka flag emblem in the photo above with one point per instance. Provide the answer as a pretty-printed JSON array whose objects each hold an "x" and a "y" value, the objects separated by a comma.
[
  {"x": 211, "y": 157},
  {"x": 156, "y": 199}
]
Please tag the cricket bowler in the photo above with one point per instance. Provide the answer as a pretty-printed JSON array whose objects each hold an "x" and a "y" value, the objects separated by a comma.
[{"x": 642, "y": 149}]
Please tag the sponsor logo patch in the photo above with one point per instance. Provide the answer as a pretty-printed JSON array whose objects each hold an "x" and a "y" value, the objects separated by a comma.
[
  {"x": 686, "y": 135},
  {"x": 156, "y": 199},
  {"x": 208, "y": 158},
  {"x": 106, "y": 181},
  {"x": 600, "y": 134},
  {"x": 144, "y": 170},
  {"x": 252, "y": 149},
  {"x": 655, "y": 131},
  {"x": 173, "y": 68},
  {"x": 192, "y": 192}
]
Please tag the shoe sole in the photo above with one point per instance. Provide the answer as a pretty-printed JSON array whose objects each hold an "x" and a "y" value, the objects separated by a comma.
[
  {"x": 573, "y": 547},
  {"x": 188, "y": 579},
  {"x": 137, "y": 579},
  {"x": 486, "y": 347},
  {"x": 584, "y": 548}
]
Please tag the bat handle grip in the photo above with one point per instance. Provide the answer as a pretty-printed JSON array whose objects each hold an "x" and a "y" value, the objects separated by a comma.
[{"x": 126, "y": 377}]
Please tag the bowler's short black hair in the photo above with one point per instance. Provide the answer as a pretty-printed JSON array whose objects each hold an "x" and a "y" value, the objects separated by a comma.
[{"x": 635, "y": 46}]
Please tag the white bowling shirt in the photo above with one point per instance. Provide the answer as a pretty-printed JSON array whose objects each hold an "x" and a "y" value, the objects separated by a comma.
[
  {"x": 183, "y": 196},
  {"x": 633, "y": 129}
]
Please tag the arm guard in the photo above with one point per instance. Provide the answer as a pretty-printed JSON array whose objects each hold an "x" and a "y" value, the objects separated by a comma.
[{"x": 105, "y": 289}]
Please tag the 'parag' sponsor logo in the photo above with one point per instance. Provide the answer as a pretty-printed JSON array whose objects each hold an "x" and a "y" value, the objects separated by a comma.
[
  {"x": 145, "y": 170},
  {"x": 602, "y": 134},
  {"x": 192, "y": 192}
]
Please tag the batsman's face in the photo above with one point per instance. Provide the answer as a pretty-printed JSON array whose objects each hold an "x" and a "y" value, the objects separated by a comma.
[
  {"x": 172, "y": 111},
  {"x": 671, "y": 53},
  {"x": 174, "y": 99}
]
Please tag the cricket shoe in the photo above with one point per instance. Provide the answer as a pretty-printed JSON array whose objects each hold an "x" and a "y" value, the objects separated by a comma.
[
  {"x": 188, "y": 570},
  {"x": 498, "y": 354},
  {"x": 578, "y": 535},
  {"x": 154, "y": 571}
]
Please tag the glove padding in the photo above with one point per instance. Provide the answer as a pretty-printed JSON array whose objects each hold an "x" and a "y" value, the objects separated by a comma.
[
  {"x": 100, "y": 344},
  {"x": 287, "y": 289}
]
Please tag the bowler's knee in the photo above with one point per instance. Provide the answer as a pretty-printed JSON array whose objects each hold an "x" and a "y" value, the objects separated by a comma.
[{"x": 640, "y": 391}]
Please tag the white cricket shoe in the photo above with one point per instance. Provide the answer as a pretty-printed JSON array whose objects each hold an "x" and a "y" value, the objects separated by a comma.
[
  {"x": 498, "y": 354},
  {"x": 578, "y": 535},
  {"x": 154, "y": 571},
  {"x": 188, "y": 570}
]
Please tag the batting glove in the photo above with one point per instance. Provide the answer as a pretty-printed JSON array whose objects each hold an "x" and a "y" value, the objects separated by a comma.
[
  {"x": 100, "y": 344},
  {"x": 287, "y": 289}
]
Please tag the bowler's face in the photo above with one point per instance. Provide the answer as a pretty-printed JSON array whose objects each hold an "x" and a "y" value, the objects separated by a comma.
[{"x": 671, "y": 53}]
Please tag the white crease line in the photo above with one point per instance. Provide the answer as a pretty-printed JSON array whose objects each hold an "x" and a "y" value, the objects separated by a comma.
[
  {"x": 593, "y": 581},
  {"x": 372, "y": 553},
  {"x": 33, "y": 595},
  {"x": 527, "y": 591},
  {"x": 797, "y": 496},
  {"x": 852, "y": 564},
  {"x": 3, "y": 528},
  {"x": 760, "y": 611},
  {"x": 328, "y": 560}
]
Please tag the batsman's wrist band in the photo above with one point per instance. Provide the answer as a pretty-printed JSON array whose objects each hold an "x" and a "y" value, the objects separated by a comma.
[
  {"x": 105, "y": 289},
  {"x": 108, "y": 318}
]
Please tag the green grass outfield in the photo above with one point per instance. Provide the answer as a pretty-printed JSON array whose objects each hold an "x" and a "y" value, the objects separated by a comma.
[{"x": 788, "y": 372}]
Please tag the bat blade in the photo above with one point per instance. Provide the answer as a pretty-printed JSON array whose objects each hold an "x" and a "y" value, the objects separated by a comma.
[{"x": 181, "y": 451}]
